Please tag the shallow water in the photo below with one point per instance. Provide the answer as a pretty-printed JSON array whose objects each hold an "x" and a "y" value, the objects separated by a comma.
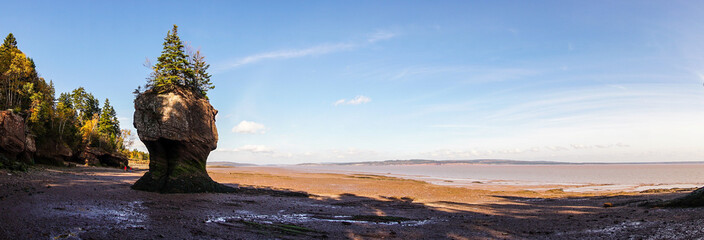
[
  {"x": 305, "y": 217},
  {"x": 612, "y": 174}
]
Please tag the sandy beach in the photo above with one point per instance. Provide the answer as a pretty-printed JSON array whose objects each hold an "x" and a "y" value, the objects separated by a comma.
[{"x": 275, "y": 203}]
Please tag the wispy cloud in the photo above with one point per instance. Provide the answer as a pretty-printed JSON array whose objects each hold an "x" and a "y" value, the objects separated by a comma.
[
  {"x": 316, "y": 50},
  {"x": 455, "y": 126},
  {"x": 292, "y": 53},
  {"x": 259, "y": 154},
  {"x": 477, "y": 74},
  {"x": 380, "y": 36},
  {"x": 254, "y": 149},
  {"x": 352, "y": 153},
  {"x": 249, "y": 127},
  {"x": 597, "y": 102},
  {"x": 504, "y": 152},
  {"x": 355, "y": 101},
  {"x": 600, "y": 146}
]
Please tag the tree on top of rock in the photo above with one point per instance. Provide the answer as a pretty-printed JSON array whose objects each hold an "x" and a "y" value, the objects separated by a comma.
[
  {"x": 201, "y": 79},
  {"x": 173, "y": 67},
  {"x": 176, "y": 68}
]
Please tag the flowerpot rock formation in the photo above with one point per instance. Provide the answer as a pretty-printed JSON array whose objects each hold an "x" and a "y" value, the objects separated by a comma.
[{"x": 179, "y": 131}]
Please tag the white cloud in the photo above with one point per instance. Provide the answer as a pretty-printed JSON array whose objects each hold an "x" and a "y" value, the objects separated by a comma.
[
  {"x": 262, "y": 154},
  {"x": 359, "y": 100},
  {"x": 518, "y": 153},
  {"x": 338, "y": 102},
  {"x": 353, "y": 154},
  {"x": 254, "y": 149},
  {"x": 600, "y": 146},
  {"x": 474, "y": 74},
  {"x": 310, "y": 51},
  {"x": 355, "y": 101},
  {"x": 249, "y": 127},
  {"x": 380, "y": 36},
  {"x": 455, "y": 126},
  {"x": 292, "y": 53}
]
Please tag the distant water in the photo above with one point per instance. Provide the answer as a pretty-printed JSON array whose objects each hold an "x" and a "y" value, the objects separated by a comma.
[{"x": 614, "y": 174}]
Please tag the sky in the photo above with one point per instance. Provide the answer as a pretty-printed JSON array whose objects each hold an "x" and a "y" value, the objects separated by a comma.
[{"x": 346, "y": 81}]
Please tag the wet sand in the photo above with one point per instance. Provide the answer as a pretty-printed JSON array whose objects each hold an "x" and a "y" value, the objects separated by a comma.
[{"x": 97, "y": 203}]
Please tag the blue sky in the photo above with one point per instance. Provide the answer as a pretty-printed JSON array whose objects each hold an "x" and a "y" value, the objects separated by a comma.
[{"x": 336, "y": 81}]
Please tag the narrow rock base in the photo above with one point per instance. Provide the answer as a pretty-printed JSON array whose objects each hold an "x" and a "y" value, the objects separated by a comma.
[{"x": 184, "y": 184}]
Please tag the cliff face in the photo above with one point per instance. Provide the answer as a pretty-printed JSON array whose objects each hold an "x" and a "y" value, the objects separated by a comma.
[
  {"x": 179, "y": 130},
  {"x": 16, "y": 146},
  {"x": 96, "y": 156},
  {"x": 53, "y": 152}
]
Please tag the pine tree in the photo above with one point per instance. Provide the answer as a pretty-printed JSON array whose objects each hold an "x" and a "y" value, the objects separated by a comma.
[
  {"x": 85, "y": 103},
  {"x": 201, "y": 79},
  {"x": 177, "y": 68},
  {"x": 172, "y": 68},
  {"x": 10, "y": 41},
  {"x": 108, "y": 123}
]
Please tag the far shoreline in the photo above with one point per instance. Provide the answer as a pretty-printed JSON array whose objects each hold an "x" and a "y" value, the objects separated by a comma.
[{"x": 486, "y": 184}]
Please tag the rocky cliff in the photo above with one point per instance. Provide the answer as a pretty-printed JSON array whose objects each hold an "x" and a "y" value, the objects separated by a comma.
[
  {"x": 53, "y": 152},
  {"x": 98, "y": 157},
  {"x": 179, "y": 131},
  {"x": 16, "y": 145},
  {"x": 19, "y": 149}
]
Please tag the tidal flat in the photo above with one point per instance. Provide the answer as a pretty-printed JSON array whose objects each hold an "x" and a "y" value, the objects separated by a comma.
[{"x": 277, "y": 203}]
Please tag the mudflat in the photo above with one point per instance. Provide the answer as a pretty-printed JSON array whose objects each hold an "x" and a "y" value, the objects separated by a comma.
[{"x": 274, "y": 203}]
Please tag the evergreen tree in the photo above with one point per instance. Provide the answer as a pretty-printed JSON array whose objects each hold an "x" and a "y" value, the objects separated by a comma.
[
  {"x": 66, "y": 99},
  {"x": 10, "y": 41},
  {"x": 108, "y": 123},
  {"x": 176, "y": 68},
  {"x": 172, "y": 68},
  {"x": 85, "y": 104},
  {"x": 201, "y": 79}
]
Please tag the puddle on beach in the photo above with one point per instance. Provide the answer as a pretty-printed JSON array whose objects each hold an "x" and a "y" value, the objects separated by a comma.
[
  {"x": 69, "y": 234},
  {"x": 304, "y": 218},
  {"x": 127, "y": 215},
  {"x": 627, "y": 187},
  {"x": 645, "y": 230}
]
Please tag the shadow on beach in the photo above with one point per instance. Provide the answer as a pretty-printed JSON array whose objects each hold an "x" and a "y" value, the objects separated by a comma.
[{"x": 97, "y": 203}]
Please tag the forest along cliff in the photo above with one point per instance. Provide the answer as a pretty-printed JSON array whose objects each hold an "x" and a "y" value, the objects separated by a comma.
[{"x": 37, "y": 127}]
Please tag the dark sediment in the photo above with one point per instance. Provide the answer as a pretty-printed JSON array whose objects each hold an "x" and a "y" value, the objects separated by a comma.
[{"x": 694, "y": 199}]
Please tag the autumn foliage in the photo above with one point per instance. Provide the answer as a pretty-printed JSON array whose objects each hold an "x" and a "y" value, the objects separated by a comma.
[{"x": 74, "y": 119}]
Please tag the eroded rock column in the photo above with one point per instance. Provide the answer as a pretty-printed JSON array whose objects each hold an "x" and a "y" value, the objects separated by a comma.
[{"x": 179, "y": 131}]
